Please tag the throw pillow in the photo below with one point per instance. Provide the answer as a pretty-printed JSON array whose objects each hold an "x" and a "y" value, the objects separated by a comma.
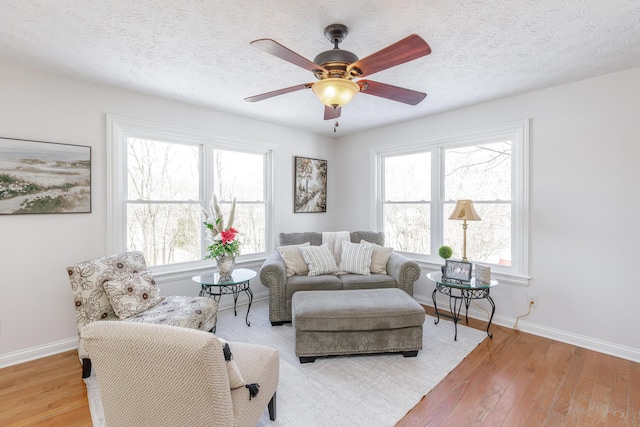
[
  {"x": 379, "y": 257},
  {"x": 235, "y": 377},
  {"x": 293, "y": 259},
  {"x": 356, "y": 258},
  {"x": 319, "y": 259},
  {"x": 132, "y": 294}
]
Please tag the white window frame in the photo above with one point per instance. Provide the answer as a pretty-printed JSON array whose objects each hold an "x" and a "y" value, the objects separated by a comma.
[
  {"x": 119, "y": 129},
  {"x": 518, "y": 132}
]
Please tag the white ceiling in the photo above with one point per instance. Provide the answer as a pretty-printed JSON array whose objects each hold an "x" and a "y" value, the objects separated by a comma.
[{"x": 198, "y": 51}]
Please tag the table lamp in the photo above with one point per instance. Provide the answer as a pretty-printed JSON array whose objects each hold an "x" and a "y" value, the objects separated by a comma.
[{"x": 464, "y": 211}]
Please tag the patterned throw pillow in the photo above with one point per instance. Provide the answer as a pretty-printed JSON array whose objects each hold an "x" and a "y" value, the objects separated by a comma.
[
  {"x": 235, "y": 377},
  {"x": 379, "y": 258},
  {"x": 356, "y": 258},
  {"x": 293, "y": 259},
  {"x": 319, "y": 259},
  {"x": 132, "y": 294}
]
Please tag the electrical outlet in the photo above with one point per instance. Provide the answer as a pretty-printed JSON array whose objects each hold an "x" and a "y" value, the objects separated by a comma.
[{"x": 532, "y": 300}]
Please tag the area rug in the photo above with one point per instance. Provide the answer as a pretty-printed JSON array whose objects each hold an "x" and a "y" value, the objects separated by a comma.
[{"x": 371, "y": 390}]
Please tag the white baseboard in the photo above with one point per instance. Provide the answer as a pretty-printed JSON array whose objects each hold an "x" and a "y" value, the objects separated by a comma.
[
  {"x": 38, "y": 352},
  {"x": 606, "y": 347}
]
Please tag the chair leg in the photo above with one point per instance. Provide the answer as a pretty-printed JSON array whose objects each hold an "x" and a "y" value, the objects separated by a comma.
[
  {"x": 272, "y": 407},
  {"x": 86, "y": 368}
]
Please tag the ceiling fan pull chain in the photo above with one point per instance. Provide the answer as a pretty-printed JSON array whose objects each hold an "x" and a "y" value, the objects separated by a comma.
[{"x": 335, "y": 126}]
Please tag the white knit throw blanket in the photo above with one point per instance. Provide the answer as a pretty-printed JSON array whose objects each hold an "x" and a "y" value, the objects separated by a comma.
[{"x": 334, "y": 239}]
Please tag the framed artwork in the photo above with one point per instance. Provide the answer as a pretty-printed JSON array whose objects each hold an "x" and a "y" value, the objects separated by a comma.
[
  {"x": 457, "y": 270},
  {"x": 310, "y": 185},
  {"x": 39, "y": 177}
]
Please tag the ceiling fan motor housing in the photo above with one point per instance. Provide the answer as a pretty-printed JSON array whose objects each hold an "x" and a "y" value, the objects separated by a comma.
[{"x": 335, "y": 60}]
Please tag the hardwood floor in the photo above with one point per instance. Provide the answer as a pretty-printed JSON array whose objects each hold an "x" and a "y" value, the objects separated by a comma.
[
  {"x": 44, "y": 392},
  {"x": 519, "y": 379},
  {"x": 515, "y": 379}
]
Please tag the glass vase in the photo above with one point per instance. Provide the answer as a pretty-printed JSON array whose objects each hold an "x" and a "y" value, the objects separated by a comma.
[{"x": 226, "y": 264}]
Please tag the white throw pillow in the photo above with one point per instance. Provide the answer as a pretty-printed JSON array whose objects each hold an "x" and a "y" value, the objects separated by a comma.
[
  {"x": 379, "y": 257},
  {"x": 293, "y": 259},
  {"x": 356, "y": 258},
  {"x": 132, "y": 294},
  {"x": 235, "y": 377},
  {"x": 319, "y": 259}
]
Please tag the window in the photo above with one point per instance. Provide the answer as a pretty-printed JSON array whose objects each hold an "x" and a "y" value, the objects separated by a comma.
[
  {"x": 419, "y": 184},
  {"x": 407, "y": 207},
  {"x": 161, "y": 177}
]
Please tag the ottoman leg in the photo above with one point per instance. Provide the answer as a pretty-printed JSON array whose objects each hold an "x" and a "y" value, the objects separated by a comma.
[
  {"x": 413, "y": 353},
  {"x": 309, "y": 359}
]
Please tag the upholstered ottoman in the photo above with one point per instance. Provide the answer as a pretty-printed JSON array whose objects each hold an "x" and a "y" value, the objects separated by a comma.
[{"x": 385, "y": 320}]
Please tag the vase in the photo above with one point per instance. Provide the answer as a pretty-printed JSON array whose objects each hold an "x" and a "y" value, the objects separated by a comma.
[{"x": 226, "y": 264}]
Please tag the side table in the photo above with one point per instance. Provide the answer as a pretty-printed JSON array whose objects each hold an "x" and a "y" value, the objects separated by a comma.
[
  {"x": 459, "y": 293},
  {"x": 212, "y": 285}
]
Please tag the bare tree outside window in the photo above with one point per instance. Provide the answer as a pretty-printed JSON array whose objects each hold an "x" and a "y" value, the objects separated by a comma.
[
  {"x": 407, "y": 202},
  {"x": 163, "y": 206},
  {"x": 241, "y": 175},
  {"x": 483, "y": 174},
  {"x": 480, "y": 172}
]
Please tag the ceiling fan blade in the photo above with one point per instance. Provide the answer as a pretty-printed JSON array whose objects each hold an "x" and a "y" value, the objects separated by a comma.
[
  {"x": 391, "y": 92},
  {"x": 278, "y": 92},
  {"x": 405, "y": 50},
  {"x": 276, "y": 49},
  {"x": 332, "y": 113}
]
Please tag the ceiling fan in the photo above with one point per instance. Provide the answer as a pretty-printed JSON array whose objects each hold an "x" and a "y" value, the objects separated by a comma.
[{"x": 336, "y": 70}]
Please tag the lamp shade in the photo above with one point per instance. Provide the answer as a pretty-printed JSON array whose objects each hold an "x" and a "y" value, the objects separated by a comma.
[
  {"x": 335, "y": 92},
  {"x": 464, "y": 210}
]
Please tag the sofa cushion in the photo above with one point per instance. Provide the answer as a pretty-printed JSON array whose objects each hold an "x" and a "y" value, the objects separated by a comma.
[
  {"x": 187, "y": 312},
  {"x": 355, "y": 258},
  {"x": 319, "y": 259},
  {"x": 379, "y": 257},
  {"x": 356, "y": 281},
  {"x": 323, "y": 282},
  {"x": 369, "y": 236},
  {"x": 293, "y": 259},
  {"x": 288, "y": 239},
  {"x": 132, "y": 294}
]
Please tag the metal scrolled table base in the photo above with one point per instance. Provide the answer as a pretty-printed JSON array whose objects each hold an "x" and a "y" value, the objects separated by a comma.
[
  {"x": 234, "y": 289},
  {"x": 466, "y": 295}
]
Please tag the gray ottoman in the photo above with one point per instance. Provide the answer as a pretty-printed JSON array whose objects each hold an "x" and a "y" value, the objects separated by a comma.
[{"x": 385, "y": 320}]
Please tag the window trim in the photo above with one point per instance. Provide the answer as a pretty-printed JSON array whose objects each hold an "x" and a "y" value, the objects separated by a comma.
[
  {"x": 518, "y": 132},
  {"x": 119, "y": 128}
]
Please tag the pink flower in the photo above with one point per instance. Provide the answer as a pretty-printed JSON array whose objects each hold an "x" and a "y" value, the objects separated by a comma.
[{"x": 228, "y": 235}]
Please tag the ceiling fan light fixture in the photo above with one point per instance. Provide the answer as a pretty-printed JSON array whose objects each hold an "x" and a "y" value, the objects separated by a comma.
[{"x": 335, "y": 92}]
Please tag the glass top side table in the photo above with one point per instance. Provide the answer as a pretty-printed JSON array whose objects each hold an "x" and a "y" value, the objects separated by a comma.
[
  {"x": 212, "y": 285},
  {"x": 459, "y": 293}
]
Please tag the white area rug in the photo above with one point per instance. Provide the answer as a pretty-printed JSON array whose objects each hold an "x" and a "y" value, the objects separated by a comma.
[{"x": 376, "y": 390}]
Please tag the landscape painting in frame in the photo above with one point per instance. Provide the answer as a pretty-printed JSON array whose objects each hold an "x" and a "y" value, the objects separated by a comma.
[
  {"x": 42, "y": 177},
  {"x": 310, "y": 193}
]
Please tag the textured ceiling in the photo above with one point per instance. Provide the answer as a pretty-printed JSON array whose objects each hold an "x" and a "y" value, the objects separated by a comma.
[{"x": 198, "y": 51}]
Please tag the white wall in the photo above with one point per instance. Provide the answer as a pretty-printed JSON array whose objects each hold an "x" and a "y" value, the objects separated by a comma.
[
  {"x": 584, "y": 153},
  {"x": 36, "y": 305}
]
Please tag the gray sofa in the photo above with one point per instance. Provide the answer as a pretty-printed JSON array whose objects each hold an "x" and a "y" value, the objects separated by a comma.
[{"x": 402, "y": 272}]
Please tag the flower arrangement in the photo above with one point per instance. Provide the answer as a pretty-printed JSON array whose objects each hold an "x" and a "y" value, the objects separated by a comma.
[{"x": 223, "y": 239}]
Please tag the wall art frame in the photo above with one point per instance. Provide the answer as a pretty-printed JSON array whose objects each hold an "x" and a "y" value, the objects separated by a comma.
[
  {"x": 310, "y": 185},
  {"x": 38, "y": 177}
]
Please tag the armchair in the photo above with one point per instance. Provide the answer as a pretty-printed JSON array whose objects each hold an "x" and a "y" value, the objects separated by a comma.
[
  {"x": 159, "y": 375},
  {"x": 93, "y": 304}
]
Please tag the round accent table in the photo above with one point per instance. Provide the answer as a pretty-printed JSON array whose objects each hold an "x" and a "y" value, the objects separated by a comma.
[
  {"x": 461, "y": 292},
  {"x": 213, "y": 286}
]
